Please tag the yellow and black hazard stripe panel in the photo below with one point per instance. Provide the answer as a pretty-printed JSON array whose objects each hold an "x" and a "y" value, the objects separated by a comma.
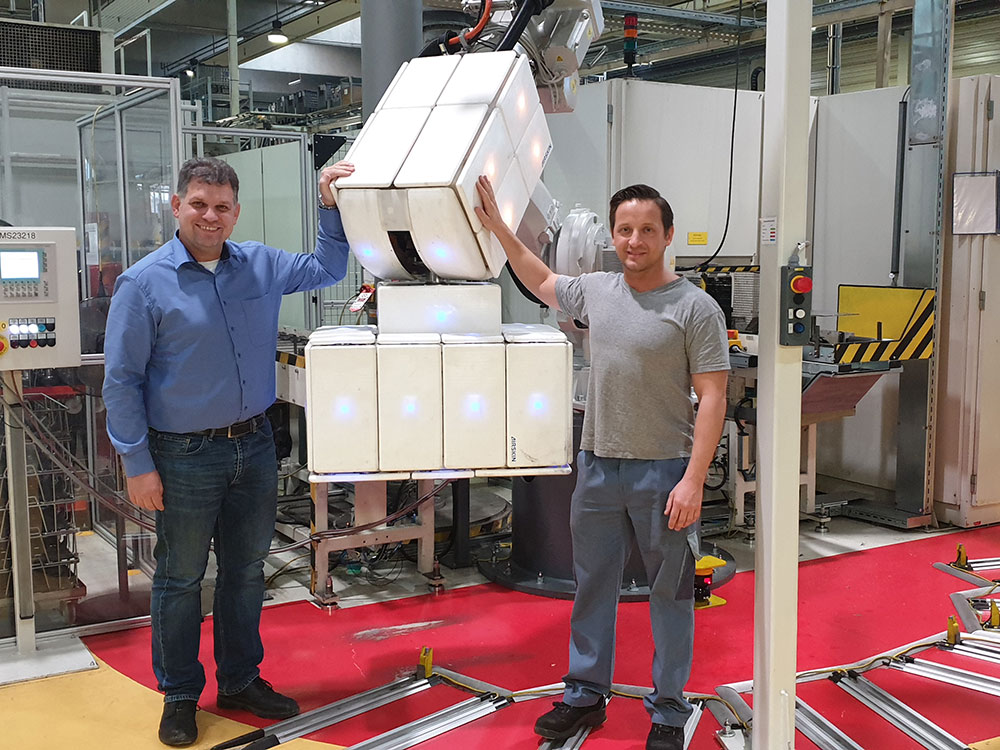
[
  {"x": 287, "y": 358},
  {"x": 730, "y": 269},
  {"x": 915, "y": 342}
]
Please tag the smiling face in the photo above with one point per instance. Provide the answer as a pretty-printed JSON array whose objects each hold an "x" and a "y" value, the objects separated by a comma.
[
  {"x": 207, "y": 215},
  {"x": 641, "y": 242}
]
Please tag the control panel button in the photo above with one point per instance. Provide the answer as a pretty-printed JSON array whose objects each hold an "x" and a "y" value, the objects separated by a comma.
[
  {"x": 801, "y": 284},
  {"x": 33, "y": 343}
]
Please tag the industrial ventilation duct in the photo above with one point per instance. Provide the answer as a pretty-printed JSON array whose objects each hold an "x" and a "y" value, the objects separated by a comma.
[{"x": 25, "y": 44}]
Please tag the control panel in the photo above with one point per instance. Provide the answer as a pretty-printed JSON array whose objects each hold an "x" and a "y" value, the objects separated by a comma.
[
  {"x": 794, "y": 318},
  {"x": 39, "y": 303}
]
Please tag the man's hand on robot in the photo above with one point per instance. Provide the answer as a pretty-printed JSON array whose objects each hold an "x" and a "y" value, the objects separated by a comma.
[
  {"x": 327, "y": 178},
  {"x": 489, "y": 213}
]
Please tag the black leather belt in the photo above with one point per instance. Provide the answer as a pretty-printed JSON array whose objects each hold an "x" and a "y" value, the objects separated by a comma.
[{"x": 238, "y": 429}]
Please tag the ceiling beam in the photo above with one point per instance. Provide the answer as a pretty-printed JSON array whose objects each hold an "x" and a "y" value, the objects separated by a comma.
[
  {"x": 661, "y": 11},
  {"x": 121, "y": 15},
  {"x": 297, "y": 30},
  {"x": 838, "y": 11}
]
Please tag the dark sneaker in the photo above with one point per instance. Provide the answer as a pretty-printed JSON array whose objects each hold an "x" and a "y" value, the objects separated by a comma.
[
  {"x": 563, "y": 721},
  {"x": 260, "y": 699},
  {"x": 662, "y": 737},
  {"x": 177, "y": 725}
]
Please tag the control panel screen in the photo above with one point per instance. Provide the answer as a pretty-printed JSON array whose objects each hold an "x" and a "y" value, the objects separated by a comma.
[{"x": 19, "y": 265}]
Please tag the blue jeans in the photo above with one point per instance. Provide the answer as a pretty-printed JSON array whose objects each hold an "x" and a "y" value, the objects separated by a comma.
[
  {"x": 615, "y": 501},
  {"x": 213, "y": 488}
]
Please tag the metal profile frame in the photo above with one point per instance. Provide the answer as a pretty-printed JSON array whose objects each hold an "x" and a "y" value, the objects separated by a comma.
[
  {"x": 959, "y": 573},
  {"x": 62, "y": 646},
  {"x": 967, "y": 614},
  {"x": 736, "y": 713},
  {"x": 976, "y": 649},
  {"x": 819, "y": 730},
  {"x": 314, "y": 311},
  {"x": 341, "y": 710},
  {"x": 914, "y": 725},
  {"x": 436, "y": 724},
  {"x": 487, "y": 699},
  {"x": 949, "y": 675}
]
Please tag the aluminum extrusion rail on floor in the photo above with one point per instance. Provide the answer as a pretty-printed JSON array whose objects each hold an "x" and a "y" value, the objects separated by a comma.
[
  {"x": 437, "y": 723},
  {"x": 897, "y": 713},
  {"x": 819, "y": 730},
  {"x": 332, "y": 713},
  {"x": 949, "y": 675},
  {"x": 960, "y": 573},
  {"x": 983, "y": 645}
]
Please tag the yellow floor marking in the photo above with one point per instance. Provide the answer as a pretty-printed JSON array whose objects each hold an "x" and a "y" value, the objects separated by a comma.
[{"x": 102, "y": 709}]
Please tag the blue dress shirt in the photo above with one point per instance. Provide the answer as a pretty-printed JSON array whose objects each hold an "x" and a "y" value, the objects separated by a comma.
[{"x": 187, "y": 349}]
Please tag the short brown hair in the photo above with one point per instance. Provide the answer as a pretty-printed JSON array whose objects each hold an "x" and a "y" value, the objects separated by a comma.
[
  {"x": 642, "y": 192},
  {"x": 208, "y": 170}
]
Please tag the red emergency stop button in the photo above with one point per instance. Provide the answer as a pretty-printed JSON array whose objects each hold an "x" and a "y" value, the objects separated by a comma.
[
  {"x": 801, "y": 284},
  {"x": 3, "y": 345}
]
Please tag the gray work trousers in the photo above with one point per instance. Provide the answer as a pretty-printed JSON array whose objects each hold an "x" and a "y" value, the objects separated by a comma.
[{"x": 616, "y": 501}]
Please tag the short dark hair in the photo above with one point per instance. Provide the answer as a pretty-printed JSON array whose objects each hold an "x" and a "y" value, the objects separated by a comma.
[
  {"x": 642, "y": 193},
  {"x": 209, "y": 170}
]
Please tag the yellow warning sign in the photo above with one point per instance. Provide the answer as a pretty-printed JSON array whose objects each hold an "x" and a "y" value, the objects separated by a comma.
[
  {"x": 697, "y": 238},
  {"x": 899, "y": 320}
]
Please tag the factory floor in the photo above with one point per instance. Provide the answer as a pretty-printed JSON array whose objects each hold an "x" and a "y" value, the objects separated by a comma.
[{"x": 115, "y": 707}]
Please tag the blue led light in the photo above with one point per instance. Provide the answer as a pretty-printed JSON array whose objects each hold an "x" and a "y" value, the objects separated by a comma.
[
  {"x": 474, "y": 405},
  {"x": 441, "y": 316},
  {"x": 410, "y": 405},
  {"x": 344, "y": 407},
  {"x": 367, "y": 251},
  {"x": 537, "y": 403},
  {"x": 441, "y": 252}
]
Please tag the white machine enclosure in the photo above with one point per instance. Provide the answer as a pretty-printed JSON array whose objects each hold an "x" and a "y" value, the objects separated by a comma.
[
  {"x": 409, "y": 402},
  {"x": 39, "y": 301},
  {"x": 342, "y": 400},
  {"x": 472, "y": 308},
  {"x": 539, "y": 396},
  {"x": 475, "y": 398},
  {"x": 442, "y": 123},
  {"x": 385, "y": 403}
]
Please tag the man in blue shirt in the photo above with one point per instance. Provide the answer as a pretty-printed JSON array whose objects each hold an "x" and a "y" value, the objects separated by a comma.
[{"x": 189, "y": 372}]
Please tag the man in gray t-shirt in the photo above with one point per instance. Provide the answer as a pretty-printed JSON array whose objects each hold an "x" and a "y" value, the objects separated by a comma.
[{"x": 644, "y": 454}]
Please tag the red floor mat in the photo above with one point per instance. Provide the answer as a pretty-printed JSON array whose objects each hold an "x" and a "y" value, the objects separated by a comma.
[{"x": 851, "y": 606}]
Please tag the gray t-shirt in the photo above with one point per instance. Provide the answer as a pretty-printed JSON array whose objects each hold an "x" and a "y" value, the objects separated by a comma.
[{"x": 643, "y": 348}]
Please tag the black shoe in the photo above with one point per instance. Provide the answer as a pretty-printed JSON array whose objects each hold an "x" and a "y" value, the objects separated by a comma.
[
  {"x": 563, "y": 721},
  {"x": 662, "y": 737},
  {"x": 177, "y": 725},
  {"x": 260, "y": 699}
]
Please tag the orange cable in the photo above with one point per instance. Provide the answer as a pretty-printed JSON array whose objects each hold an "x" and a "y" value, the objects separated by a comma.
[{"x": 473, "y": 33}]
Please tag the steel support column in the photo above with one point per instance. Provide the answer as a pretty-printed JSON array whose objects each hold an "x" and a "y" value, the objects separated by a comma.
[
  {"x": 923, "y": 195},
  {"x": 884, "y": 53},
  {"x": 783, "y": 202},
  {"x": 234, "y": 59},
  {"x": 391, "y": 34}
]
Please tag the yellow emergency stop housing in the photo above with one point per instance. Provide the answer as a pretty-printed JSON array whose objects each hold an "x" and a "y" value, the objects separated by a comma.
[{"x": 704, "y": 568}]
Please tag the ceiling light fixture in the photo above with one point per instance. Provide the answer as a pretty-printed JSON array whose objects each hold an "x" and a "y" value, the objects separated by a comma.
[
  {"x": 190, "y": 69},
  {"x": 276, "y": 35}
]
